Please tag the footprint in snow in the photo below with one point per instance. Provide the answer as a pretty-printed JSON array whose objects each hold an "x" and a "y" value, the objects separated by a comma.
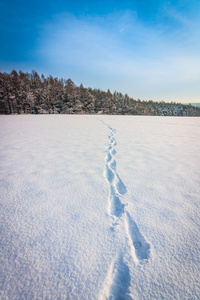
[{"x": 141, "y": 247}]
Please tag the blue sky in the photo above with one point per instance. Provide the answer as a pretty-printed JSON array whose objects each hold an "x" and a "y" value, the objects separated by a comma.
[{"x": 147, "y": 49}]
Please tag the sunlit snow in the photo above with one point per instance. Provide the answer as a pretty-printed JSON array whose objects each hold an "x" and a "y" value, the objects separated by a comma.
[{"x": 99, "y": 207}]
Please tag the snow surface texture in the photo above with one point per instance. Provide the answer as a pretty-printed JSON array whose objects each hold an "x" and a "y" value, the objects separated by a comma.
[{"x": 99, "y": 207}]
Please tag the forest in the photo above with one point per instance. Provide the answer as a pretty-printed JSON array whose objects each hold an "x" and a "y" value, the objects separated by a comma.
[{"x": 30, "y": 93}]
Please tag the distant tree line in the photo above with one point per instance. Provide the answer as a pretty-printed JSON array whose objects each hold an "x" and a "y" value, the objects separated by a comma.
[{"x": 29, "y": 93}]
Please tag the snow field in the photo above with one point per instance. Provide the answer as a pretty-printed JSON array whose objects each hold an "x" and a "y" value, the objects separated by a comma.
[{"x": 99, "y": 207}]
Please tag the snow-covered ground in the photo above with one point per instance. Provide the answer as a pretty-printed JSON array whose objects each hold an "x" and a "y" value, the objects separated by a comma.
[{"x": 99, "y": 207}]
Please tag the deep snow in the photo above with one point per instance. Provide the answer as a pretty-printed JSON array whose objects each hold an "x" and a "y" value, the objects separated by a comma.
[{"x": 99, "y": 207}]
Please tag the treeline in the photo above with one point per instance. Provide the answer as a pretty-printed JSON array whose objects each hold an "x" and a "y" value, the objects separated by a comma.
[{"x": 29, "y": 93}]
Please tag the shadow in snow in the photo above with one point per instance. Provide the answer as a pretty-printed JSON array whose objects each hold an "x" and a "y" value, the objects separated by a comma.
[
  {"x": 120, "y": 187},
  {"x": 142, "y": 248},
  {"x": 109, "y": 157},
  {"x": 113, "y": 165},
  {"x": 109, "y": 174},
  {"x": 117, "y": 207},
  {"x": 121, "y": 281}
]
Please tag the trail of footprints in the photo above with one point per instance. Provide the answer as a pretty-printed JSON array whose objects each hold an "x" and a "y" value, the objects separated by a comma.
[
  {"x": 139, "y": 248},
  {"x": 117, "y": 187}
]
